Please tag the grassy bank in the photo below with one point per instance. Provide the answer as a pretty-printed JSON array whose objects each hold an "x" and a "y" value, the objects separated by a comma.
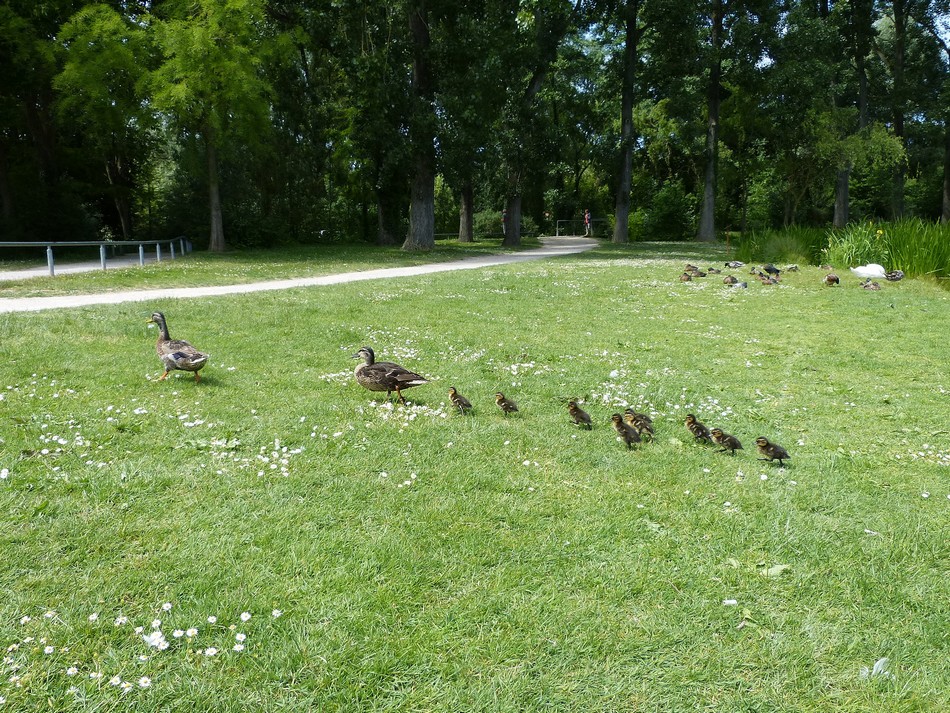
[{"x": 422, "y": 560}]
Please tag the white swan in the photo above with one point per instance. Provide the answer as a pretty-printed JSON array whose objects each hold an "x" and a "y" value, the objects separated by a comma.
[{"x": 870, "y": 270}]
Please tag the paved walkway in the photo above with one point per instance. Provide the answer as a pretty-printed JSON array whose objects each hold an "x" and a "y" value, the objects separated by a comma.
[
  {"x": 117, "y": 262},
  {"x": 551, "y": 247}
]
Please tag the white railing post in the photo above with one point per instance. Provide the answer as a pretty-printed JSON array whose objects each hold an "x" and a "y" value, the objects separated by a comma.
[
  {"x": 181, "y": 243},
  {"x": 49, "y": 259},
  {"x": 158, "y": 252},
  {"x": 102, "y": 256},
  {"x": 141, "y": 254},
  {"x": 171, "y": 246}
]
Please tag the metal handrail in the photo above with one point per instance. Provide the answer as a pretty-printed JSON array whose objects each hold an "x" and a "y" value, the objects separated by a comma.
[{"x": 183, "y": 242}]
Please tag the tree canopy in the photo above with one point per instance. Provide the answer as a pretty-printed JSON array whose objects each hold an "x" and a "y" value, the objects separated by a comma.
[{"x": 256, "y": 122}]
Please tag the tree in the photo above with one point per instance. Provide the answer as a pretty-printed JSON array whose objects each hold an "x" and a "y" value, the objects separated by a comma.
[{"x": 211, "y": 85}]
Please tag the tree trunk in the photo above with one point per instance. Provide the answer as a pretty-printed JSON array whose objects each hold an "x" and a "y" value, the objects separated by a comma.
[
  {"x": 466, "y": 217},
  {"x": 707, "y": 218},
  {"x": 6, "y": 194},
  {"x": 842, "y": 197},
  {"x": 945, "y": 214},
  {"x": 384, "y": 234},
  {"x": 216, "y": 243},
  {"x": 900, "y": 42},
  {"x": 120, "y": 185},
  {"x": 630, "y": 57},
  {"x": 513, "y": 233},
  {"x": 422, "y": 193}
]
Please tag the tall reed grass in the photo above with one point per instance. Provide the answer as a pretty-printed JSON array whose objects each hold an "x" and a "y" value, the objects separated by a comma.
[{"x": 917, "y": 247}]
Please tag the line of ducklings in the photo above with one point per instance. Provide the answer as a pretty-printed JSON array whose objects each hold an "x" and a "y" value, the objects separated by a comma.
[{"x": 632, "y": 427}]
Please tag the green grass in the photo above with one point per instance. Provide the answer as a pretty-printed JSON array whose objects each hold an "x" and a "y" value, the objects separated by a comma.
[
  {"x": 203, "y": 268},
  {"x": 528, "y": 565}
]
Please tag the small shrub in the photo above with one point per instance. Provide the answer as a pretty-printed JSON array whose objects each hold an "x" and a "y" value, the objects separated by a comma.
[{"x": 671, "y": 216}]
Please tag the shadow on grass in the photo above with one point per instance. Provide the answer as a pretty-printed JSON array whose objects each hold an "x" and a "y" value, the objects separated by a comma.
[{"x": 701, "y": 254}]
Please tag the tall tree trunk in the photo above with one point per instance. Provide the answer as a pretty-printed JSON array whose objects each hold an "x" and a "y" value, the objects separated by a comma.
[
  {"x": 216, "y": 243},
  {"x": 513, "y": 232},
  {"x": 630, "y": 58},
  {"x": 466, "y": 216},
  {"x": 120, "y": 185},
  {"x": 422, "y": 193},
  {"x": 384, "y": 232},
  {"x": 707, "y": 218},
  {"x": 900, "y": 43},
  {"x": 945, "y": 214},
  {"x": 842, "y": 197},
  {"x": 7, "y": 210}
]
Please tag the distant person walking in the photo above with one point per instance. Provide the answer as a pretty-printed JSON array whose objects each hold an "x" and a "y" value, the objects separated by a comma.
[{"x": 587, "y": 222}]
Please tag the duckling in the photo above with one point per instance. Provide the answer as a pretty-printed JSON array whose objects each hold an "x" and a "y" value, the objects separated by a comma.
[
  {"x": 771, "y": 451},
  {"x": 727, "y": 441},
  {"x": 734, "y": 264},
  {"x": 685, "y": 277},
  {"x": 505, "y": 404},
  {"x": 894, "y": 275},
  {"x": 730, "y": 280},
  {"x": 640, "y": 421},
  {"x": 699, "y": 430},
  {"x": 176, "y": 353},
  {"x": 579, "y": 415},
  {"x": 872, "y": 269},
  {"x": 384, "y": 375},
  {"x": 869, "y": 285},
  {"x": 627, "y": 432},
  {"x": 831, "y": 279},
  {"x": 459, "y": 401}
]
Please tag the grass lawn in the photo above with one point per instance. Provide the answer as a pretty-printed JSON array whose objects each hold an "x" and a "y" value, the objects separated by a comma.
[
  {"x": 420, "y": 560},
  {"x": 204, "y": 268}
]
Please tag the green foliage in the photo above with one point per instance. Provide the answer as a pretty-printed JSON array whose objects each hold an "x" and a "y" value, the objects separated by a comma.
[
  {"x": 914, "y": 246},
  {"x": 804, "y": 246},
  {"x": 671, "y": 215}
]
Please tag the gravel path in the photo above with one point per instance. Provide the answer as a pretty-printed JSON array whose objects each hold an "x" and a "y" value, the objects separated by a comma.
[{"x": 551, "y": 247}]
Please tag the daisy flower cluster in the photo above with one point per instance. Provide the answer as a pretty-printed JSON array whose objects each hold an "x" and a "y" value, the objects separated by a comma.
[
  {"x": 42, "y": 657},
  {"x": 929, "y": 454}
]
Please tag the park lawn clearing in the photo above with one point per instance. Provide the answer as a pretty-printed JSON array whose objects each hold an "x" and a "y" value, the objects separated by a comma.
[{"x": 411, "y": 558}]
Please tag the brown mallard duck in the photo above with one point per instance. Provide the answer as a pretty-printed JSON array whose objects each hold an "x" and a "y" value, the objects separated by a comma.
[
  {"x": 699, "y": 430},
  {"x": 459, "y": 401},
  {"x": 579, "y": 415},
  {"x": 176, "y": 353},
  {"x": 626, "y": 432},
  {"x": 505, "y": 404},
  {"x": 831, "y": 279},
  {"x": 726, "y": 440},
  {"x": 384, "y": 375},
  {"x": 771, "y": 451}
]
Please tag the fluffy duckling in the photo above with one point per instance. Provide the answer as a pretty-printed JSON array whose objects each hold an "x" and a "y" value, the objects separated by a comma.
[
  {"x": 869, "y": 285},
  {"x": 771, "y": 451},
  {"x": 459, "y": 401},
  {"x": 894, "y": 275},
  {"x": 726, "y": 440},
  {"x": 640, "y": 421},
  {"x": 730, "y": 280},
  {"x": 685, "y": 277},
  {"x": 627, "y": 432},
  {"x": 699, "y": 430},
  {"x": 505, "y": 404},
  {"x": 176, "y": 353},
  {"x": 831, "y": 279},
  {"x": 384, "y": 375},
  {"x": 734, "y": 264},
  {"x": 579, "y": 415}
]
